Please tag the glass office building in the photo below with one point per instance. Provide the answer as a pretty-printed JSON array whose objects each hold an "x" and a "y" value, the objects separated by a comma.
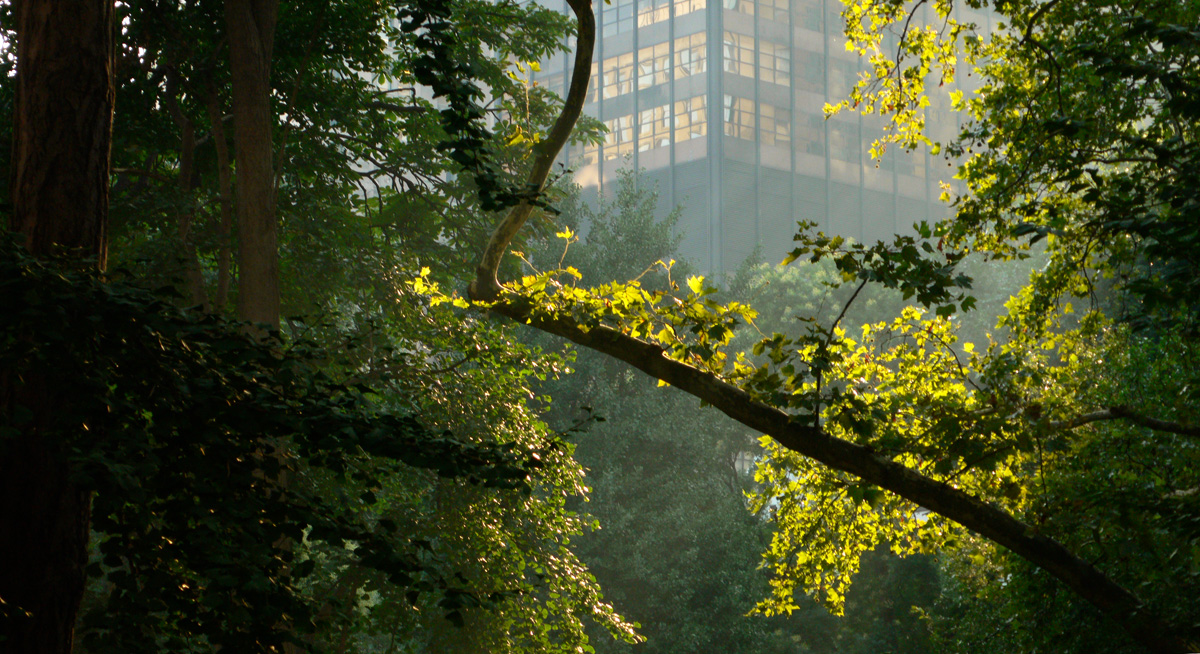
[{"x": 720, "y": 101}]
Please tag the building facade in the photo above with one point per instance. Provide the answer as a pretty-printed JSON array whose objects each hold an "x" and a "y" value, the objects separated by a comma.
[{"x": 720, "y": 101}]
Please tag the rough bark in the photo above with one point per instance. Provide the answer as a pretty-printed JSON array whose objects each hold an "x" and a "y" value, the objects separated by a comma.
[
  {"x": 1115, "y": 601},
  {"x": 251, "y": 29},
  {"x": 61, "y": 143},
  {"x": 62, "y": 126}
]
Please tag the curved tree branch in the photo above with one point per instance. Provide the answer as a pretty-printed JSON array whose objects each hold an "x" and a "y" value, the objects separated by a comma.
[
  {"x": 1125, "y": 413},
  {"x": 486, "y": 286},
  {"x": 988, "y": 521}
]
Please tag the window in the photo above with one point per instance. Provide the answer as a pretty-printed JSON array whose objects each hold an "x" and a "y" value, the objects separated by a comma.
[
  {"x": 739, "y": 54},
  {"x": 591, "y": 152},
  {"x": 774, "y": 63},
  {"x": 619, "y": 140},
  {"x": 739, "y": 117},
  {"x": 654, "y": 65},
  {"x": 617, "y": 17},
  {"x": 653, "y": 11},
  {"x": 774, "y": 125},
  {"x": 843, "y": 141},
  {"x": 552, "y": 83},
  {"x": 593, "y": 93},
  {"x": 689, "y": 55},
  {"x": 808, "y": 14},
  {"x": 654, "y": 128},
  {"x": 618, "y": 76},
  {"x": 743, "y": 6},
  {"x": 775, "y": 11},
  {"x": 690, "y": 119},
  {"x": 810, "y": 134},
  {"x": 911, "y": 162},
  {"x": 810, "y": 72},
  {"x": 688, "y": 6},
  {"x": 843, "y": 75},
  {"x": 887, "y": 161}
]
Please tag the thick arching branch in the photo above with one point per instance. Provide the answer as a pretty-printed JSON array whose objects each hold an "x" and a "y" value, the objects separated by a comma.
[
  {"x": 486, "y": 286},
  {"x": 804, "y": 438}
]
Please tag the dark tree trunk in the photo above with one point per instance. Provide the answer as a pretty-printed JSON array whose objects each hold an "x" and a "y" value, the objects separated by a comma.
[
  {"x": 189, "y": 257},
  {"x": 251, "y": 27},
  {"x": 225, "y": 188},
  {"x": 60, "y": 167},
  {"x": 63, "y": 125},
  {"x": 44, "y": 520}
]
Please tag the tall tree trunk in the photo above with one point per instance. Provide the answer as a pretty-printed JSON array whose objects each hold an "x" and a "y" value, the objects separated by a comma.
[
  {"x": 61, "y": 144},
  {"x": 44, "y": 523},
  {"x": 225, "y": 189},
  {"x": 251, "y": 28},
  {"x": 190, "y": 259},
  {"x": 63, "y": 125},
  {"x": 194, "y": 276}
]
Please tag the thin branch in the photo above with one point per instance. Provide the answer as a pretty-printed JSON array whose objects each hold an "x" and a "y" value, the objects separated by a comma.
[
  {"x": 318, "y": 28},
  {"x": 398, "y": 108},
  {"x": 453, "y": 366},
  {"x": 1124, "y": 413},
  {"x": 845, "y": 308},
  {"x": 144, "y": 173},
  {"x": 399, "y": 89},
  {"x": 1037, "y": 15},
  {"x": 1028, "y": 38},
  {"x": 962, "y": 370},
  {"x": 1056, "y": 72},
  {"x": 912, "y": 13}
]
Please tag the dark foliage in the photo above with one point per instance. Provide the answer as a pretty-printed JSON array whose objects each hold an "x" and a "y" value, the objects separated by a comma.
[{"x": 194, "y": 438}]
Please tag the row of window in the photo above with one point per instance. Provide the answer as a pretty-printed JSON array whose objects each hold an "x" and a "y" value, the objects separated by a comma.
[
  {"x": 686, "y": 118},
  {"x": 774, "y": 62},
  {"x": 769, "y": 62},
  {"x": 618, "y": 74},
  {"x": 655, "y": 127},
  {"x": 619, "y": 16},
  {"x": 653, "y": 65},
  {"x": 742, "y": 118},
  {"x": 774, "y": 125},
  {"x": 808, "y": 12}
]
